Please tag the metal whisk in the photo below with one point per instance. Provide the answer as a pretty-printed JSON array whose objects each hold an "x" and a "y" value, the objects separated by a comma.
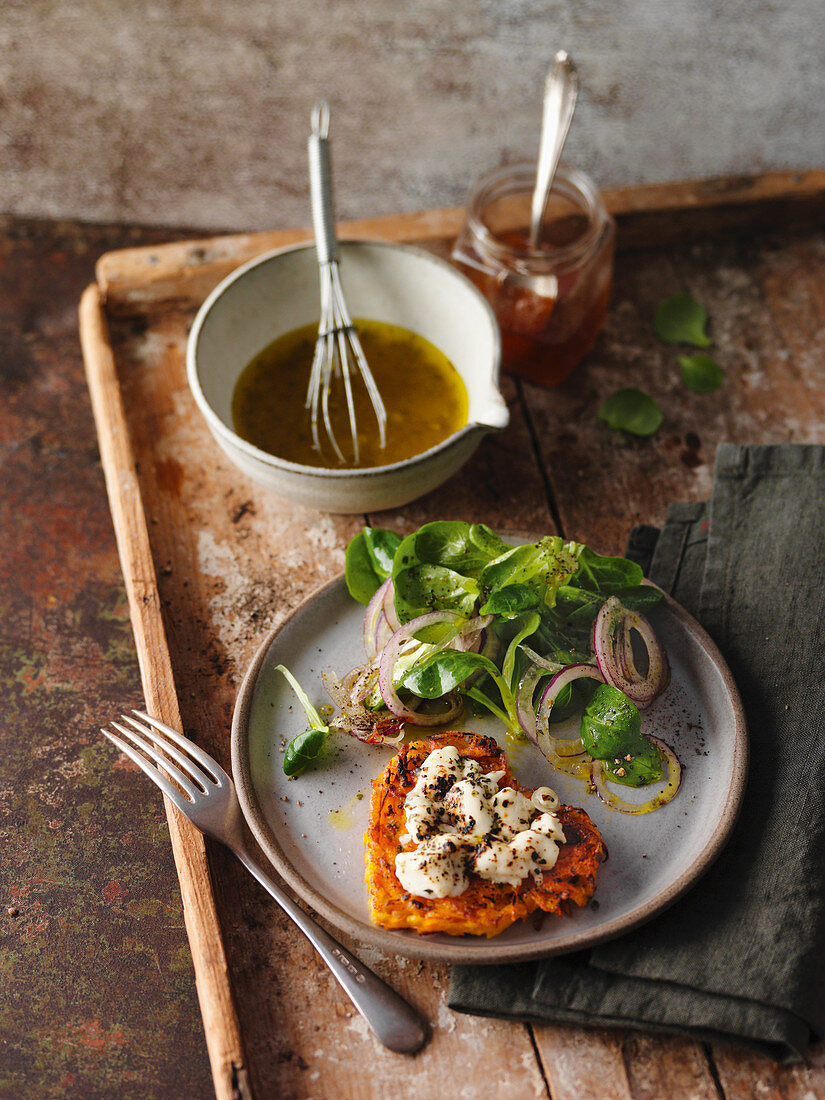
[{"x": 337, "y": 344}]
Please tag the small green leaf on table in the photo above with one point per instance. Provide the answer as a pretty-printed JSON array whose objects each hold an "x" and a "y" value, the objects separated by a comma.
[
  {"x": 682, "y": 320},
  {"x": 630, "y": 410},
  {"x": 701, "y": 373}
]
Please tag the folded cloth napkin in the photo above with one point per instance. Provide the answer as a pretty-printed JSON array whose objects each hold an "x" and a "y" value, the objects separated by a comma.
[{"x": 741, "y": 957}]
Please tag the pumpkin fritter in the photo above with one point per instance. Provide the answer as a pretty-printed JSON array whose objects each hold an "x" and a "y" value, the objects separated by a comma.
[{"x": 485, "y": 908}]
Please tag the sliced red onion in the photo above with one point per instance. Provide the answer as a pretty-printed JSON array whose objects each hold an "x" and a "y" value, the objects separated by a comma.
[
  {"x": 375, "y": 608},
  {"x": 339, "y": 694},
  {"x": 525, "y": 710},
  {"x": 362, "y": 685},
  {"x": 614, "y": 653},
  {"x": 470, "y": 635},
  {"x": 384, "y": 733},
  {"x": 545, "y": 800},
  {"x": 383, "y": 633},
  {"x": 598, "y": 778},
  {"x": 389, "y": 656},
  {"x": 356, "y": 720},
  {"x": 546, "y": 741},
  {"x": 389, "y": 604}
]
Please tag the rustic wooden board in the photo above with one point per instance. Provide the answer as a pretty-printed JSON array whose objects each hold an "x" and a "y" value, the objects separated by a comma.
[{"x": 217, "y": 562}]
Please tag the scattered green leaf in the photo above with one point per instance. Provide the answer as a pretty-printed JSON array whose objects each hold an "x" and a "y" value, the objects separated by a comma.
[
  {"x": 682, "y": 320},
  {"x": 630, "y": 410},
  {"x": 303, "y": 750},
  {"x": 700, "y": 373},
  {"x": 306, "y": 747}
]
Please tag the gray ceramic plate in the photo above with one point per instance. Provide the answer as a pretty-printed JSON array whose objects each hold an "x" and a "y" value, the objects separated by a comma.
[{"x": 312, "y": 827}]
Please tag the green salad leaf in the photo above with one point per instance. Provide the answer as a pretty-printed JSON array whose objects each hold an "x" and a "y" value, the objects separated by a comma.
[
  {"x": 682, "y": 320},
  {"x": 631, "y": 410},
  {"x": 512, "y": 599},
  {"x": 541, "y": 598},
  {"x": 436, "y": 569},
  {"x": 369, "y": 561},
  {"x": 701, "y": 373},
  {"x": 424, "y": 587},
  {"x": 611, "y": 729},
  {"x": 599, "y": 573},
  {"x": 544, "y": 565},
  {"x": 444, "y": 672},
  {"x": 304, "y": 749}
]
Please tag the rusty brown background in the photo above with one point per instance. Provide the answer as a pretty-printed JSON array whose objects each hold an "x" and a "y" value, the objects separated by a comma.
[{"x": 96, "y": 987}]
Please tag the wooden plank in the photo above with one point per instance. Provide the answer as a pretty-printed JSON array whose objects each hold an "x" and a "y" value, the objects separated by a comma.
[
  {"x": 223, "y": 1035},
  {"x": 579, "y": 1062},
  {"x": 743, "y": 1075},
  {"x": 662, "y": 1065},
  {"x": 619, "y": 1065},
  {"x": 182, "y": 274}
]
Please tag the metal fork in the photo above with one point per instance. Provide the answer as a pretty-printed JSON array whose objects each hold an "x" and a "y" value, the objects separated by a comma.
[{"x": 207, "y": 798}]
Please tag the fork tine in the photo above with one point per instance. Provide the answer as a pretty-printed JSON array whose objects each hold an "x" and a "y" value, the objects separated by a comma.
[
  {"x": 203, "y": 758},
  {"x": 171, "y": 792},
  {"x": 148, "y": 750},
  {"x": 197, "y": 774}
]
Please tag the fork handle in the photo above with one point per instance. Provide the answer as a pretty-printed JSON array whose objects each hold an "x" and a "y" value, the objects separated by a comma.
[{"x": 398, "y": 1026}]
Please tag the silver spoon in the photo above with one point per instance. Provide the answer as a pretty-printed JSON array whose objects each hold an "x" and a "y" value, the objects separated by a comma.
[{"x": 560, "y": 92}]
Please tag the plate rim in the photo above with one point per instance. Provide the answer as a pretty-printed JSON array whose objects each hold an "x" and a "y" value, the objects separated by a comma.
[{"x": 489, "y": 952}]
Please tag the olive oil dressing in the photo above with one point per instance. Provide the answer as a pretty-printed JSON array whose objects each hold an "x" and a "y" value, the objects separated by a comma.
[{"x": 424, "y": 395}]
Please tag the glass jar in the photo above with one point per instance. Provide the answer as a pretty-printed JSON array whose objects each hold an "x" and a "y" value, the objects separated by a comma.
[{"x": 551, "y": 301}]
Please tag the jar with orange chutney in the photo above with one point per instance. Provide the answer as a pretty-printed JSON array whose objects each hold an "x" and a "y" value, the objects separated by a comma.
[{"x": 550, "y": 301}]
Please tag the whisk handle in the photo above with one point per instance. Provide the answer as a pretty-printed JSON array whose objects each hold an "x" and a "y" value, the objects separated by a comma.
[{"x": 320, "y": 186}]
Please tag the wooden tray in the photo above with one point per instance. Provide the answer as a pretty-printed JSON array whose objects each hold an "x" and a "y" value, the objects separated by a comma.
[{"x": 211, "y": 563}]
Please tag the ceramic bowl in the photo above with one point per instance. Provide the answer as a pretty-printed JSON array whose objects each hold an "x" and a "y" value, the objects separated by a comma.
[{"x": 396, "y": 284}]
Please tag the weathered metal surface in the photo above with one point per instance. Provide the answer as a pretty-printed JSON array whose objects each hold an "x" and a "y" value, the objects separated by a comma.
[{"x": 96, "y": 991}]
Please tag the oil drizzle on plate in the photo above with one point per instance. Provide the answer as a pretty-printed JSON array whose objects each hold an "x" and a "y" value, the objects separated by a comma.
[
  {"x": 345, "y": 818},
  {"x": 424, "y": 395}
]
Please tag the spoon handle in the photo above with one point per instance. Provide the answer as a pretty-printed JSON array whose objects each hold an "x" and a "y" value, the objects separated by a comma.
[{"x": 560, "y": 92}]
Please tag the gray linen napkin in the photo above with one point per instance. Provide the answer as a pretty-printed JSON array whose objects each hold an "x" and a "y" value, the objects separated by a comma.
[{"x": 742, "y": 956}]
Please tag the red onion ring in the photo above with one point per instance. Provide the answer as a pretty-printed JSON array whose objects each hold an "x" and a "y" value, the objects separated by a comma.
[
  {"x": 599, "y": 781},
  {"x": 371, "y": 617},
  {"x": 383, "y": 633},
  {"x": 360, "y": 686},
  {"x": 560, "y": 745},
  {"x": 389, "y": 604},
  {"x": 389, "y": 657},
  {"x": 614, "y": 653},
  {"x": 525, "y": 711}
]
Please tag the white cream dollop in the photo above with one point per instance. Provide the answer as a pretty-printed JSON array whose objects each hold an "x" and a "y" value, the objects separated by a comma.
[
  {"x": 435, "y": 869},
  {"x": 461, "y": 821},
  {"x": 438, "y": 773}
]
